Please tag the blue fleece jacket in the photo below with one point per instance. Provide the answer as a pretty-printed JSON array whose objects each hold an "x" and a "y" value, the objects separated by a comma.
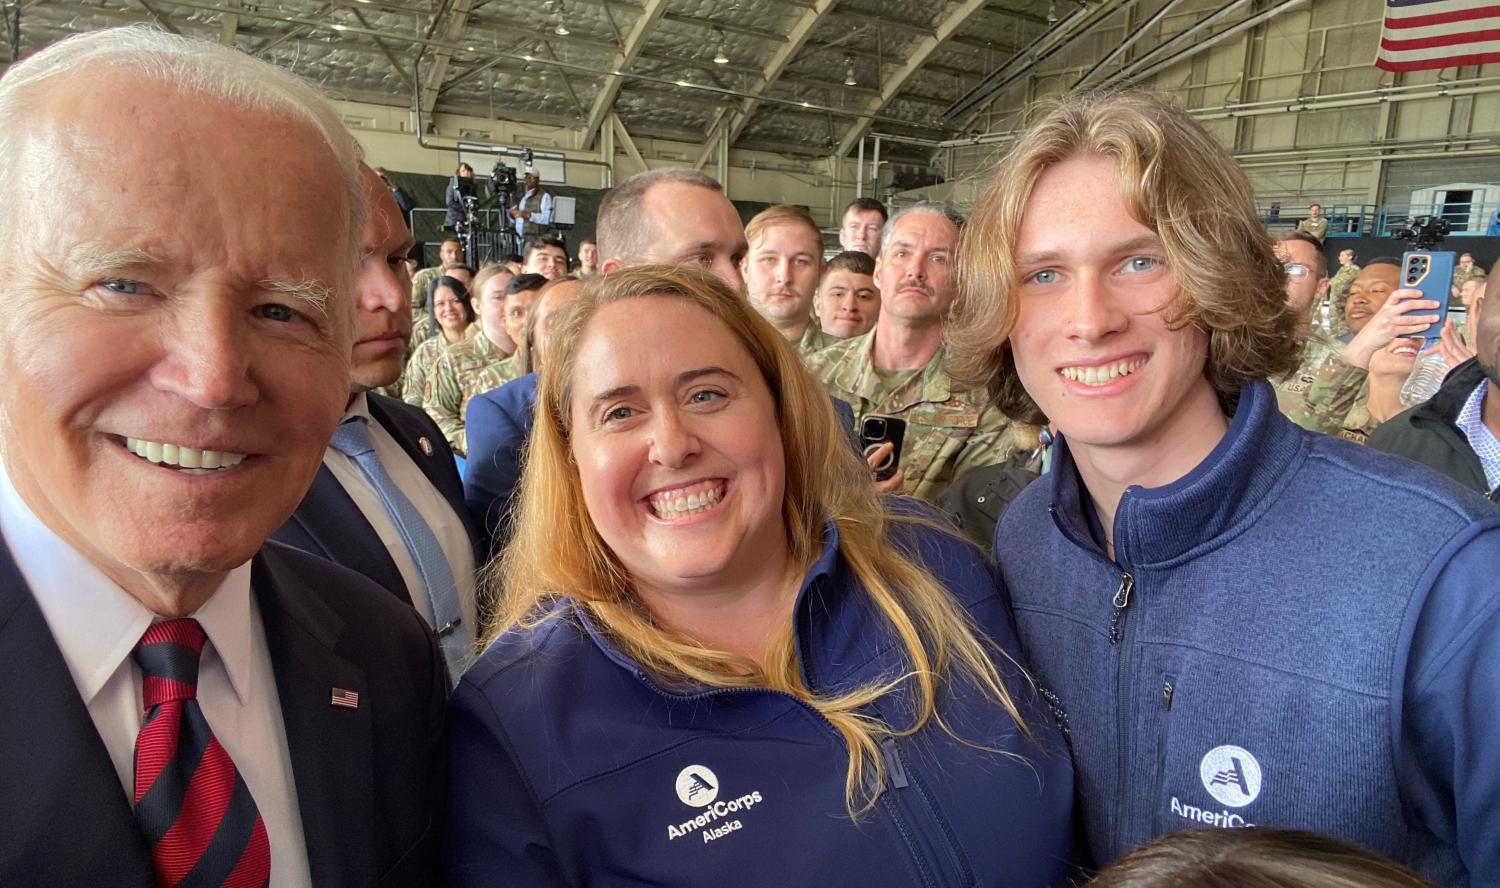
[
  {"x": 572, "y": 766},
  {"x": 1300, "y": 632}
]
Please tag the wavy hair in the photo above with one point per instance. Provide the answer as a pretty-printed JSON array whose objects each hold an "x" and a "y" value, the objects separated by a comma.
[
  {"x": 1177, "y": 181},
  {"x": 557, "y": 553}
]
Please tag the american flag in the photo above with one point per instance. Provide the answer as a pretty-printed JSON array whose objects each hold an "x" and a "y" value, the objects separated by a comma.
[
  {"x": 1421, "y": 34},
  {"x": 345, "y": 698}
]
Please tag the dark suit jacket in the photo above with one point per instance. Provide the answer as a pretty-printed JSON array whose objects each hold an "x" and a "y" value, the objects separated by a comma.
[
  {"x": 370, "y": 781},
  {"x": 329, "y": 525},
  {"x": 498, "y": 423}
]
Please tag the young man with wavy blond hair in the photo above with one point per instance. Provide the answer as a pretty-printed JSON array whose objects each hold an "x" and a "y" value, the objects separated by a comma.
[{"x": 1221, "y": 653}]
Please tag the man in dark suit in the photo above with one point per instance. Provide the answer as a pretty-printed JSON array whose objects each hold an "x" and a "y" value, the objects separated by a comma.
[
  {"x": 184, "y": 702},
  {"x": 350, "y": 516}
]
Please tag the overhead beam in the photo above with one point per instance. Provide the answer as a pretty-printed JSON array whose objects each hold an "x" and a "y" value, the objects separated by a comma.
[
  {"x": 624, "y": 136},
  {"x": 384, "y": 48},
  {"x": 604, "y": 100},
  {"x": 727, "y": 28},
  {"x": 161, "y": 21},
  {"x": 881, "y": 21},
  {"x": 229, "y": 22},
  {"x": 774, "y": 68},
  {"x": 955, "y": 19},
  {"x": 448, "y": 31}
]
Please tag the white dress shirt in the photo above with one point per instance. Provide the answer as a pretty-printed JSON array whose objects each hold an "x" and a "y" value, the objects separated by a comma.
[
  {"x": 97, "y": 625},
  {"x": 435, "y": 509}
]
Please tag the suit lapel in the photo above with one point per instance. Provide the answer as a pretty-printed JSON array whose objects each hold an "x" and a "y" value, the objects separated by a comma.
[
  {"x": 332, "y": 747},
  {"x": 66, "y": 815},
  {"x": 336, "y": 524},
  {"x": 437, "y": 466}
]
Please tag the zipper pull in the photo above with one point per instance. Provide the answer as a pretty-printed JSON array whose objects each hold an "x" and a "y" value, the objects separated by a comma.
[
  {"x": 1166, "y": 696},
  {"x": 1121, "y": 601},
  {"x": 893, "y": 766}
]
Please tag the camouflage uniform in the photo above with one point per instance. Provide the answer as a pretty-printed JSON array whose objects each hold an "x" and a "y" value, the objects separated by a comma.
[
  {"x": 1461, "y": 277},
  {"x": 1322, "y": 391},
  {"x": 814, "y": 339},
  {"x": 947, "y": 432},
  {"x": 421, "y": 328},
  {"x": 1314, "y": 228},
  {"x": 1338, "y": 294},
  {"x": 419, "y": 282},
  {"x": 455, "y": 378},
  {"x": 1358, "y": 424},
  {"x": 414, "y": 380}
]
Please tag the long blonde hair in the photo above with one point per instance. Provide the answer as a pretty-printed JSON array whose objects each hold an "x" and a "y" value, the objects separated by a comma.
[{"x": 557, "y": 552}]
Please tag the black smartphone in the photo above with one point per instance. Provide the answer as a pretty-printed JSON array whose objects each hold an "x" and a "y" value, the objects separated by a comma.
[
  {"x": 1432, "y": 273},
  {"x": 877, "y": 430}
]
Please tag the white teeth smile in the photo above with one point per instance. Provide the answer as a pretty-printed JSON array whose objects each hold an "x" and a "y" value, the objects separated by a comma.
[
  {"x": 686, "y": 501},
  {"x": 187, "y": 459},
  {"x": 1103, "y": 374}
]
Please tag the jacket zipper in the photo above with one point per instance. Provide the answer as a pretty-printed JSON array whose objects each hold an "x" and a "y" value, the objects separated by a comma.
[{"x": 1120, "y": 602}]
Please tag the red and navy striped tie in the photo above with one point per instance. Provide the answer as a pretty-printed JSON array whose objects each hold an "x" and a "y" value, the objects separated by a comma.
[{"x": 195, "y": 809}]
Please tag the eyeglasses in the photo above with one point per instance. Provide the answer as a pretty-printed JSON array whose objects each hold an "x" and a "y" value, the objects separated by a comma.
[{"x": 1297, "y": 270}]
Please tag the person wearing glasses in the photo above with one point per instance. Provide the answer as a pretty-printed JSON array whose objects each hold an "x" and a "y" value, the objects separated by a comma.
[{"x": 1324, "y": 389}]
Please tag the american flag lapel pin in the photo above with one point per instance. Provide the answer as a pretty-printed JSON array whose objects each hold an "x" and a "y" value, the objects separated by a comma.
[
  {"x": 345, "y": 698},
  {"x": 425, "y": 445}
]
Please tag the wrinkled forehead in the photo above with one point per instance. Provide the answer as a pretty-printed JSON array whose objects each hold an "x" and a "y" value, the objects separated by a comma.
[{"x": 158, "y": 168}]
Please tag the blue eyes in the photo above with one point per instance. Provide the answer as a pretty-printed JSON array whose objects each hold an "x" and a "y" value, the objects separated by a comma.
[
  {"x": 1143, "y": 263},
  {"x": 1046, "y": 276},
  {"x": 129, "y": 288},
  {"x": 275, "y": 312}
]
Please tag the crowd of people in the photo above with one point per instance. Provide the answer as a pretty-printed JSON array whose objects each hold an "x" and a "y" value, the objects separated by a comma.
[{"x": 992, "y": 550}]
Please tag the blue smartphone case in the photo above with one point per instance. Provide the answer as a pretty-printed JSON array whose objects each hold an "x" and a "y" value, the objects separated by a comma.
[{"x": 1432, "y": 273}]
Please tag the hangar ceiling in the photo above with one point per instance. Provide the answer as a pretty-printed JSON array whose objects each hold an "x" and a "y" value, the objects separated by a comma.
[{"x": 793, "y": 76}]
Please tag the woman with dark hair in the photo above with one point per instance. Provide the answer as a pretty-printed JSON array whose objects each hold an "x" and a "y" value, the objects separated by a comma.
[
  {"x": 719, "y": 657},
  {"x": 460, "y": 186},
  {"x": 453, "y": 317}
]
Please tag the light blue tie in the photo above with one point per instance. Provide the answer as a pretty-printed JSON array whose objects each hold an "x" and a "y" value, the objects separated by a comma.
[{"x": 352, "y": 438}]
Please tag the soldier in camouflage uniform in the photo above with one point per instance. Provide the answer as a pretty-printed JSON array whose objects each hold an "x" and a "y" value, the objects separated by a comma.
[
  {"x": 450, "y": 253},
  {"x": 1338, "y": 293},
  {"x": 948, "y": 431},
  {"x": 1323, "y": 389},
  {"x": 1465, "y": 272},
  {"x": 456, "y": 322},
  {"x": 477, "y": 365},
  {"x": 782, "y": 270}
]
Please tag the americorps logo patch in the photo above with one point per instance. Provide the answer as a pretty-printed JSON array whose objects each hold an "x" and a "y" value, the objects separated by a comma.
[
  {"x": 697, "y": 786},
  {"x": 1231, "y": 775}
]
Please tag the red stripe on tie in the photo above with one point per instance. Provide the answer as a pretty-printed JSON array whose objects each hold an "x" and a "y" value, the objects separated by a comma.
[
  {"x": 203, "y": 808},
  {"x": 185, "y": 632},
  {"x": 156, "y": 746},
  {"x": 254, "y": 868}
]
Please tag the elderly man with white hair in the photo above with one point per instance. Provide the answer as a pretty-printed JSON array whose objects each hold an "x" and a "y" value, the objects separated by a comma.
[{"x": 183, "y": 702}]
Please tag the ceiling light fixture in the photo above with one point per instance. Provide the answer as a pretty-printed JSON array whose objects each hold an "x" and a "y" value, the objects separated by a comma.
[
  {"x": 849, "y": 78},
  {"x": 561, "y": 30},
  {"x": 1052, "y": 12},
  {"x": 720, "y": 58}
]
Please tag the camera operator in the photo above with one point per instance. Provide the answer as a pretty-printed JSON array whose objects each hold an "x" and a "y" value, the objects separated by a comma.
[
  {"x": 533, "y": 212},
  {"x": 460, "y": 197}
]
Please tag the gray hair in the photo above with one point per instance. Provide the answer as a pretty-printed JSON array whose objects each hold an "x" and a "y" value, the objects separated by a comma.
[
  {"x": 619, "y": 227},
  {"x": 190, "y": 65},
  {"x": 928, "y": 207}
]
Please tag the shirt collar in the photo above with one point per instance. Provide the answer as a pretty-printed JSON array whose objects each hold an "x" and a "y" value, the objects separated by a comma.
[
  {"x": 359, "y": 408},
  {"x": 96, "y": 623},
  {"x": 1470, "y": 421}
]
